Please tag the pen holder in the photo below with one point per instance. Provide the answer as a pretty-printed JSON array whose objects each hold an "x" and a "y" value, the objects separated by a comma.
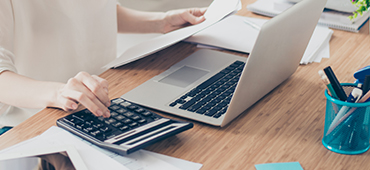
[{"x": 346, "y": 128}]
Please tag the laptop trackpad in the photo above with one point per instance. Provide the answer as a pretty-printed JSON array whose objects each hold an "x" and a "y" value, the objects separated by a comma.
[{"x": 184, "y": 76}]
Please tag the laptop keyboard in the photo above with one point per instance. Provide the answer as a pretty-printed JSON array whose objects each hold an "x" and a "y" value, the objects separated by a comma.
[
  {"x": 212, "y": 97},
  {"x": 129, "y": 126}
]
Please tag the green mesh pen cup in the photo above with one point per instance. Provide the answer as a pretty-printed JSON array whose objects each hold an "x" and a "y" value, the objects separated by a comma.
[{"x": 346, "y": 129}]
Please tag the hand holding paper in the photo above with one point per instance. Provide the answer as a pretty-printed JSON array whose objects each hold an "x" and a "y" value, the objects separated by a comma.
[{"x": 218, "y": 10}]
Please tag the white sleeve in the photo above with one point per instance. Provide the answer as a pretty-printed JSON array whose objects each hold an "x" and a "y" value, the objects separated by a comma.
[{"x": 6, "y": 36}]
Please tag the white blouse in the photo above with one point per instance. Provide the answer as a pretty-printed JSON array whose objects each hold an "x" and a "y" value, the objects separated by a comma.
[{"x": 53, "y": 40}]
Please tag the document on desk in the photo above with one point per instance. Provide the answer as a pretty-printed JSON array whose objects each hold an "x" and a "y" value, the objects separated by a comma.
[
  {"x": 239, "y": 33},
  {"x": 218, "y": 10},
  {"x": 98, "y": 158}
]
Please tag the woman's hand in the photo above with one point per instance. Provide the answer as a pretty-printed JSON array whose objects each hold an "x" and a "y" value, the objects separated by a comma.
[
  {"x": 179, "y": 18},
  {"x": 134, "y": 21},
  {"x": 89, "y": 90}
]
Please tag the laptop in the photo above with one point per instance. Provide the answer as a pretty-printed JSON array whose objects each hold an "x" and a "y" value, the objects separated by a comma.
[{"x": 215, "y": 87}]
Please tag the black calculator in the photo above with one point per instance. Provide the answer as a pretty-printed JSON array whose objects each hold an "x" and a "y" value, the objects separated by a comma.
[{"x": 129, "y": 128}]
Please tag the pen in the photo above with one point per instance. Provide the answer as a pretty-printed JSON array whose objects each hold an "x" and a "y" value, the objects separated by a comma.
[
  {"x": 363, "y": 99},
  {"x": 354, "y": 97},
  {"x": 344, "y": 132},
  {"x": 330, "y": 89},
  {"x": 327, "y": 83},
  {"x": 355, "y": 132},
  {"x": 335, "y": 83},
  {"x": 252, "y": 24},
  {"x": 366, "y": 84},
  {"x": 352, "y": 132},
  {"x": 338, "y": 131}
]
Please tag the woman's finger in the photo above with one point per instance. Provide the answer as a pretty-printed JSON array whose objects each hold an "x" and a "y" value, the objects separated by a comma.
[
  {"x": 189, "y": 17},
  {"x": 198, "y": 11},
  {"x": 68, "y": 104},
  {"x": 97, "y": 86},
  {"x": 96, "y": 108},
  {"x": 102, "y": 82}
]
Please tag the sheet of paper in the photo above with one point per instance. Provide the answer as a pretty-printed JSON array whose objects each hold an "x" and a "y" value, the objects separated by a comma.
[
  {"x": 98, "y": 158},
  {"x": 231, "y": 33},
  {"x": 179, "y": 163},
  {"x": 55, "y": 136},
  {"x": 126, "y": 41},
  {"x": 27, "y": 158},
  {"x": 218, "y": 10},
  {"x": 279, "y": 166},
  {"x": 321, "y": 36},
  {"x": 324, "y": 53},
  {"x": 209, "y": 47},
  {"x": 143, "y": 161},
  {"x": 236, "y": 33}
]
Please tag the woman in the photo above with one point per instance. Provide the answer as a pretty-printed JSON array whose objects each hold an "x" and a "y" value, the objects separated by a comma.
[{"x": 51, "y": 51}]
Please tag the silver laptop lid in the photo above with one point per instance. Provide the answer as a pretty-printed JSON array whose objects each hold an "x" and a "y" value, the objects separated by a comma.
[{"x": 278, "y": 49}]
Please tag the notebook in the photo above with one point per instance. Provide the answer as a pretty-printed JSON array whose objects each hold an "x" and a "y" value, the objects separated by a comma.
[
  {"x": 338, "y": 5},
  {"x": 330, "y": 18},
  {"x": 275, "y": 57}
]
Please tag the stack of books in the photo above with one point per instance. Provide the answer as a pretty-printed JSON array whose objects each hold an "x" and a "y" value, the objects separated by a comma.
[{"x": 331, "y": 18}]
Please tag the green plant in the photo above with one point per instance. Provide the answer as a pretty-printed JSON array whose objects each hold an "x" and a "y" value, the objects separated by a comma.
[{"x": 362, "y": 6}]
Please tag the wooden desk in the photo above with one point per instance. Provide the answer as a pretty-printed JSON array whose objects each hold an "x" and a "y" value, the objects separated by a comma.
[{"x": 284, "y": 126}]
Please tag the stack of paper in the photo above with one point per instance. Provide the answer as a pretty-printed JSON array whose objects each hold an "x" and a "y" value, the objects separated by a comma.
[
  {"x": 97, "y": 158},
  {"x": 240, "y": 33},
  {"x": 330, "y": 18}
]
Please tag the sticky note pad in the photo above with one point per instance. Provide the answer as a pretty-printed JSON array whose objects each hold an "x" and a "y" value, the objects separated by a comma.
[{"x": 279, "y": 166}]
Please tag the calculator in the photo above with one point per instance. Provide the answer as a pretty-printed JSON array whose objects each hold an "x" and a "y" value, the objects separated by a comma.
[{"x": 129, "y": 128}]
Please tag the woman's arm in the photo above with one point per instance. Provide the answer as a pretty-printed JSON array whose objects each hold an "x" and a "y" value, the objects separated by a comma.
[
  {"x": 18, "y": 90},
  {"x": 90, "y": 91},
  {"x": 134, "y": 21}
]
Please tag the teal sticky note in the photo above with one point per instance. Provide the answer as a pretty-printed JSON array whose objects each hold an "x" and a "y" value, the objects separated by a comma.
[{"x": 279, "y": 166}]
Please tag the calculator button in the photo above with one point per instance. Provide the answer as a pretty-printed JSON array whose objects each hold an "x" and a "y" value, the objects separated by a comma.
[
  {"x": 127, "y": 121},
  {"x": 139, "y": 110},
  {"x": 114, "y": 107},
  {"x": 88, "y": 129},
  {"x": 105, "y": 129},
  {"x": 118, "y": 124},
  {"x": 125, "y": 104},
  {"x": 80, "y": 126},
  {"x": 135, "y": 118},
  {"x": 96, "y": 133},
  {"x": 121, "y": 111},
  {"x": 119, "y": 117},
  {"x": 141, "y": 121},
  {"x": 132, "y": 107},
  {"x": 110, "y": 121},
  {"x": 133, "y": 124},
  {"x": 123, "y": 128},
  {"x": 117, "y": 101},
  {"x": 128, "y": 114},
  {"x": 113, "y": 114},
  {"x": 146, "y": 113}
]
